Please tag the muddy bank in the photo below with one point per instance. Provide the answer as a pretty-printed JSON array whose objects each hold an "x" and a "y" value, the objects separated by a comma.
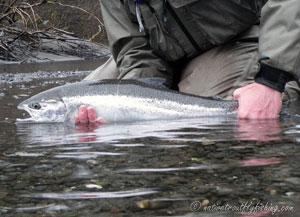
[
  {"x": 76, "y": 16},
  {"x": 49, "y": 47},
  {"x": 64, "y": 31}
]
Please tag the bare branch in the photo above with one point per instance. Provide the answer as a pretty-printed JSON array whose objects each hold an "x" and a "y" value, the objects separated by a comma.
[
  {"x": 63, "y": 31},
  {"x": 4, "y": 48},
  {"x": 78, "y": 8},
  {"x": 21, "y": 15},
  {"x": 22, "y": 5},
  {"x": 10, "y": 6},
  {"x": 15, "y": 41},
  {"x": 34, "y": 22}
]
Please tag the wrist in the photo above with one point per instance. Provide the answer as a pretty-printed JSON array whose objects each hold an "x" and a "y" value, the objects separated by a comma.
[{"x": 273, "y": 77}]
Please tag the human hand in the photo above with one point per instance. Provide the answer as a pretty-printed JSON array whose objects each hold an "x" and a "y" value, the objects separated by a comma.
[
  {"x": 257, "y": 101},
  {"x": 88, "y": 115}
]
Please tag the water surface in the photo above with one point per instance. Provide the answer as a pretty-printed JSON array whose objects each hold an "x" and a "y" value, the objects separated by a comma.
[{"x": 155, "y": 168}]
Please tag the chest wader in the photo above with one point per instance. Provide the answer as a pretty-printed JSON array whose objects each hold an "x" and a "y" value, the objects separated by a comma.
[{"x": 184, "y": 29}]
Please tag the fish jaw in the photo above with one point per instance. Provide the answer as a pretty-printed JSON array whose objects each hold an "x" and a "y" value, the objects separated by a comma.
[
  {"x": 24, "y": 107},
  {"x": 50, "y": 111}
]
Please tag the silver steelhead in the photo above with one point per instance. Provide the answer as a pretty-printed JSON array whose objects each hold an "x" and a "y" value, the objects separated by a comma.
[{"x": 120, "y": 100}]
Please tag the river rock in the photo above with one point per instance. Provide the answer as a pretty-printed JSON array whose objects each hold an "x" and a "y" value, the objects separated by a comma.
[
  {"x": 293, "y": 180},
  {"x": 224, "y": 191}
]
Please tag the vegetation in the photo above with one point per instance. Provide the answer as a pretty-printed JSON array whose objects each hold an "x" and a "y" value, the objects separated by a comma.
[{"x": 26, "y": 24}]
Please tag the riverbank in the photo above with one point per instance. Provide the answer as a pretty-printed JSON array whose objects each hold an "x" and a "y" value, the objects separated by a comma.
[
  {"x": 48, "y": 48},
  {"x": 50, "y": 31}
]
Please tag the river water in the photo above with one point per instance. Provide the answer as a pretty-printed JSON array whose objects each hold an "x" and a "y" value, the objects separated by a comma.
[{"x": 194, "y": 167}]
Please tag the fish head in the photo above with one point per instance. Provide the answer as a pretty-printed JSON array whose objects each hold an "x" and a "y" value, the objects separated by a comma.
[{"x": 43, "y": 110}]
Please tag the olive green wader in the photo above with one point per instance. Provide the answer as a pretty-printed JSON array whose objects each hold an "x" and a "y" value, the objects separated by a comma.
[{"x": 216, "y": 39}]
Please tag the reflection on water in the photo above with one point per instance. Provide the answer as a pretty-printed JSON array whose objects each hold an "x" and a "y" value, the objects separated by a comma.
[
  {"x": 60, "y": 134},
  {"x": 95, "y": 195},
  {"x": 154, "y": 168},
  {"x": 261, "y": 130}
]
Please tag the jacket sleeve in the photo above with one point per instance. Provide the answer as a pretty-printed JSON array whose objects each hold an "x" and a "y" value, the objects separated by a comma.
[
  {"x": 130, "y": 48},
  {"x": 279, "y": 43}
]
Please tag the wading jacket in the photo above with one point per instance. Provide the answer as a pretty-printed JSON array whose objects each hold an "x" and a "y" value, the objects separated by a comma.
[{"x": 148, "y": 37}]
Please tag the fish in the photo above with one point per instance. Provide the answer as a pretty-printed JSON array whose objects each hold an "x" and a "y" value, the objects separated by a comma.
[{"x": 120, "y": 101}]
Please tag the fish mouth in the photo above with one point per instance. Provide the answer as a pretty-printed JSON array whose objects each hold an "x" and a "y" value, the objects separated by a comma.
[{"x": 26, "y": 120}]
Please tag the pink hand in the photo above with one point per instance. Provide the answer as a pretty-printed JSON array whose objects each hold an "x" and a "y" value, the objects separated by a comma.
[
  {"x": 87, "y": 115},
  {"x": 257, "y": 101}
]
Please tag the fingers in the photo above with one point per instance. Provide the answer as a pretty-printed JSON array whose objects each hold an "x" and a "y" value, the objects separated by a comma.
[
  {"x": 82, "y": 116},
  {"x": 92, "y": 116},
  {"x": 100, "y": 120},
  {"x": 88, "y": 115},
  {"x": 257, "y": 101},
  {"x": 236, "y": 94}
]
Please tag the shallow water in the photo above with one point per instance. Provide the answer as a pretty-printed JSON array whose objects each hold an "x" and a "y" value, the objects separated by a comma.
[{"x": 191, "y": 167}]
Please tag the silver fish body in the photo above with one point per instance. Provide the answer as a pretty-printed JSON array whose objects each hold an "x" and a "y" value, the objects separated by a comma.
[{"x": 120, "y": 100}]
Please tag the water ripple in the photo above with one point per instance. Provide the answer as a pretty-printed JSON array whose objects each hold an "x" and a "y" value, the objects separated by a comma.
[
  {"x": 94, "y": 195},
  {"x": 47, "y": 208},
  {"x": 86, "y": 155}
]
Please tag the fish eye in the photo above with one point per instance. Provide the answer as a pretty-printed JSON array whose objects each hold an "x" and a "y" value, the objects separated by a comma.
[{"x": 35, "y": 105}]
